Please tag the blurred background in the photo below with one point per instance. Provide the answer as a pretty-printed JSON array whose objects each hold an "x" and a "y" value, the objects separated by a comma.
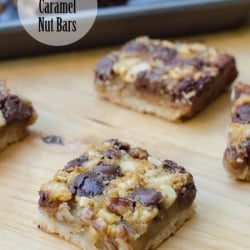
[{"x": 121, "y": 20}]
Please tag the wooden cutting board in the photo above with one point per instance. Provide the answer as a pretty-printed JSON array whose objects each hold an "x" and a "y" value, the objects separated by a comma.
[{"x": 61, "y": 88}]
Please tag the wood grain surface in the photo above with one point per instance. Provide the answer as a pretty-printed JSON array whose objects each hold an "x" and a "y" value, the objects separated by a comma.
[{"x": 61, "y": 88}]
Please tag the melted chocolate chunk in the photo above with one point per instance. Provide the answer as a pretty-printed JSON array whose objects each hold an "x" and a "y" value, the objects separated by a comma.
[
  {"x": 15, "y": 110},
  {"x": 88, "y": 185},
  {"x": 119, "y": 206},
  {"x": 112, "y": 154},
  {"x": 108, "y": 171},
  {"x": 187, "y": 85},
  {"x": 78, "y": 162},
  {"x": 119, "y": 144},
  {"x": 233, "y": 152},
  {"x": 151, "y": 82},
  {"x": 242, "y": 114},
  {"x": 53, "y": 139},
  {"x": 163, "y": 53},
  {"x": 186, "y": 195},
  {"x": 180, "y": 62},
  {"x": 135, "y": 47},
  {"x": 138, "y": 153},
  {"x": 172, "y": 167},
  {"x": 156, "y": 51},
  {"x": 105, "y": 68},
  {"x": 148, "y": 197},
  {"x": 44, "y": 198},
  {"x": 195, "y": 62},
  {"x": 45, "y": 202}
]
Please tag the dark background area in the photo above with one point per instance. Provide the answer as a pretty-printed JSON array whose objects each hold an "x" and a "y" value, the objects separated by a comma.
[{"x": 114, "y": 25}]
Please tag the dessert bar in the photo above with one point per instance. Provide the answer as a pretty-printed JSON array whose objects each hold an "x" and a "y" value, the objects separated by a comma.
[
  {"x": 15, "y": 117},
  {"x": 171, "y": 80},
  {"x": 237, "y": 154},
  {"x": 116, "y": 196}
]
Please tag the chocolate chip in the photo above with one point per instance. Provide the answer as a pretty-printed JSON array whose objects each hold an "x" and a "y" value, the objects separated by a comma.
[
  {"x": 234, "y": 152},
  {"x": 78, "y": 162},
  {"x": 78, "y": 182},
  {"x": 231, "y": 153},
  {"x": 112, "y": 153},
  {"x": 88, "y": 185},
  {"x": 187, "y": 85},
  {"x": 105, "y": 68},
  {"x": 196, "y": 63},
  {"x": 160, "y": 52},
  {"x": 151, "y": 82},
  {"x": 186, "y": 195},
  {"x": 45, "y": 202},
  {"x": 172, "y": 167},
  {"x": 53, "y": 139},
  {"x": 15, "y": 110},
  {"x": 44, "y": 198},
  {"x": 163, "y": 53},
  {"x": 108, "y": 171},
  {"x": 135, "y": 47},
  {"x": 122, "y": 145},
  {"x": 93, "y": 185},
  {"x": 138, "y": 153},
  {"x": 119, "y": 206},
  {"x": 117, "y": 144},
  {"x": 242, "y": 114},
  {"x": 147, "y": 197}
]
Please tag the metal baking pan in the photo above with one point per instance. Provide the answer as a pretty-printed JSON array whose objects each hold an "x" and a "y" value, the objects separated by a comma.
[{"x": 155, "y": 18}]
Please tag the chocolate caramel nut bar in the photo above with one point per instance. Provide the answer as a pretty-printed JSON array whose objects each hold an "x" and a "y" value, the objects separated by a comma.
[
  {"x": 116, "y": 196},
  {"x": 237, "y": 154},
  {"x": 16, "y": 115},
  {"x": 171, "y": 80}
]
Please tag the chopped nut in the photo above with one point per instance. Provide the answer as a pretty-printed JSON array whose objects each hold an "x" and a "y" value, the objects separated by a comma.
[
  {"x": 138, "y": 153},
  {"x": 58, "y": 191},
  {"x": 239, "y": 160},
  {"x": 155, "y": 161},
  {"x": 107, "y": 216}
]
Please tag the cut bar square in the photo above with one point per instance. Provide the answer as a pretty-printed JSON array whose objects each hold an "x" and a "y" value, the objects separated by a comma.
[
  {"x": 237, "y": 154},
  {"x": 16, "y": 114},
  {"x": 116, "y": 196},
  {"x": 171, "y": 80}
]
